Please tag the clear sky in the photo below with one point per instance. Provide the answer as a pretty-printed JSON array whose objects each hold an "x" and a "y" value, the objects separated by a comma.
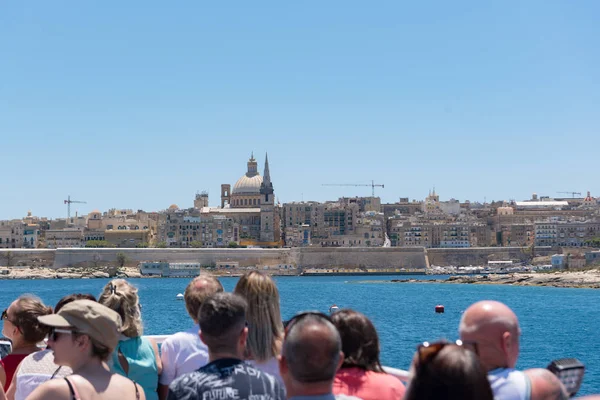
[{"x": 139, "y": 104}]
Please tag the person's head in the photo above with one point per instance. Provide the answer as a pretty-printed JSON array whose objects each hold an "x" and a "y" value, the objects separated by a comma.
[
  {"x": 72, "y": 297},
  {"x": 311, "y": 354},
  {"x": 495, "y": 329},
  {"x": 81, "y": 330},
  {"x": 66, "y": 300},
  {"x": 122, "y": 297},
  {"x": 21, "y": 323},
  {"x": 360, "y": 343},
  {"x": 545, "y": 385},
  {"x": 222, "y": 320},
  {"x": 263, "y": 314},
  {"x": 197, "y": 291},
  {"x": 447, "y": 371}
]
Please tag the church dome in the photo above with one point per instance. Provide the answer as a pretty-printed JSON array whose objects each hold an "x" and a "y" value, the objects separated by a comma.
[
  {"x": 250, "y": 182},
  {"x": 173, "y": 207}
]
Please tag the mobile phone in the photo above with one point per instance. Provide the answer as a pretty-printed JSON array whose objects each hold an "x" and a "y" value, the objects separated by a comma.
[
  {"x": 5, "y": 347},
  {"x": 570, "y": 371}
]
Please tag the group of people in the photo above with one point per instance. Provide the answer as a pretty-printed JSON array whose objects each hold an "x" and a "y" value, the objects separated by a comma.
[{"x": 239, "y": 348}]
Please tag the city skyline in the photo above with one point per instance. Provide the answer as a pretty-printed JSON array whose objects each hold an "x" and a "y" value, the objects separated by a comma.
[{"x": 141, "y": 105}]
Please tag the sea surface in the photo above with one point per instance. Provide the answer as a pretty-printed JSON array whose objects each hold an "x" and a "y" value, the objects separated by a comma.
[{"x": 555, "y": 322}]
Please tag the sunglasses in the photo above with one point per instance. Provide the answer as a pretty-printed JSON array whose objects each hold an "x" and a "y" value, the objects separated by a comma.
[
  {"x": 292, "y": 321},
  {"x": 53, "y": 335},
  {"x": 427, "y": 351},
  {"x": 4, "y": 317}
]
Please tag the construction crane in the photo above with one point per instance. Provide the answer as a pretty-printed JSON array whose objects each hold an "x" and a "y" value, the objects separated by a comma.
[
  {"x": 571, "y": 193},
  {"x": 372, "y": 184},
  {"x": 68, "y": 203}
]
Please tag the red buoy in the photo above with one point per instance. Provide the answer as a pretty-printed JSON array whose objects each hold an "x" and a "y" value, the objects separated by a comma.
[{"x": 439, "y": 309}]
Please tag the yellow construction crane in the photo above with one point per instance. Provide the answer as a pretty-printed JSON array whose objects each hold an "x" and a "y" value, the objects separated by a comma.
[
  {"x": 68, "y": 203},
  {"x": 372, "y": 184}
]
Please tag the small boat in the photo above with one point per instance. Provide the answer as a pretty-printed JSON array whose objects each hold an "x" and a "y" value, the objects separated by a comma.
[
  {"x": 333, "y": 309},
  {"x": 179, "y": 296}
]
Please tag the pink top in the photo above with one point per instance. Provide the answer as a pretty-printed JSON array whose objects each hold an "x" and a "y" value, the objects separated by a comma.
[{"x": 367, "y": 385}]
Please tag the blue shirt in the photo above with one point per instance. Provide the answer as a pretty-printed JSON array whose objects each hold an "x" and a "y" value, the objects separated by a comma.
[{"x": 141, "y": 359}]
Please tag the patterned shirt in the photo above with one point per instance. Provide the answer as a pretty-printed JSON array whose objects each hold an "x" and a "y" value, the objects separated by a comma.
[{"x": 227, "y": 378}]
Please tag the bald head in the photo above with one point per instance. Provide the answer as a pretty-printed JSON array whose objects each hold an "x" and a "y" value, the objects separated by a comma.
[
  {"x": 545, "y": 385},
  {"x": 200, "y": 288},
  {"x": 494, "y": 327},
  {"x": 488, "y": 315},
  {"x": 312, "y": 349}
]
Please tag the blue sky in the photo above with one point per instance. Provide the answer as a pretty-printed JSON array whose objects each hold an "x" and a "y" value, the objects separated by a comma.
[{"x": 140, "y": 104}]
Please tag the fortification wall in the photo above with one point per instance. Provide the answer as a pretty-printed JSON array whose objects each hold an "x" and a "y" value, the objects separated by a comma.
[
  {"x": 389, "y": 257},
  {"x": 319, "y": 257},
  {"x": 481, "y": 255},
  {"x": 300, "y": 257},
  {"x": 245, "y": 257},
  {"x": 28, "y": 257}
]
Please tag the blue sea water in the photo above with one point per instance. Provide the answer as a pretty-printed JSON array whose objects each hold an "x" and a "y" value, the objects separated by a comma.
[{"x": 555, "y": 322}]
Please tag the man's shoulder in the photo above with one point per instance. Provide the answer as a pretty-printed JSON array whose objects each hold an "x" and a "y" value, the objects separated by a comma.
[
  {"x": 224, "y": 373},
  {"x": 191, "y": 335},
  {"x": 191, "y": 379},
  {"x": 509, "y": 383}
]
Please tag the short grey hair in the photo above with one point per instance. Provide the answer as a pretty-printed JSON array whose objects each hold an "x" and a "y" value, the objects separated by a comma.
[{"x": 310, "y": 360}]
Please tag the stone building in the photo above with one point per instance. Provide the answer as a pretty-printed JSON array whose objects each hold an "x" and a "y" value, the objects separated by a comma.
[
  {"x": 566, "y": 233},
  {"x": 66, "y": 237},
  {"x": 248, "y": 215},
  {"x": 439, "y": 234}
]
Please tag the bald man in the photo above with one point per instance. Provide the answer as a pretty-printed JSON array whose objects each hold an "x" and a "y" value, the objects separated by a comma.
[
  {"x": 185, "y": 352},
  {"x": 494, "y": 328},
  {"x": 310, "y": 357}
]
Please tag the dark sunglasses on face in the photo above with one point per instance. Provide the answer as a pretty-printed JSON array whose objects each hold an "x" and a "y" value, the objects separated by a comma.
[
  {"x": 53, "y": 335},
  {"x": 427, "y": 351},
  {"x": 5, "y": 317},
  {"x": 290, "y": 323}
]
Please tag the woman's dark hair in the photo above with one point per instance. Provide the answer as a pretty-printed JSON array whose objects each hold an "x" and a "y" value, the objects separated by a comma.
[
  {"x": 360, "y": 342},
  {"x": 28, "y": 308},
  {"x": 72, "y": 297},
  {"x": 98, "y": 350},
  {"x": 453, "y": 373}
]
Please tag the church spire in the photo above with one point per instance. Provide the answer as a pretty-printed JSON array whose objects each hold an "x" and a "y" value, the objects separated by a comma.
[
  {"x": 267, "y": 174},
  {"x": 266, "y": 187}
]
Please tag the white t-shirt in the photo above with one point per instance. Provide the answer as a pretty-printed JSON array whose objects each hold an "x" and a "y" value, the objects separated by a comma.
[
  {"x": 181, "y": 353},
  {"x": 270, "y": 366},
  {"x": 509, "y": 384}
]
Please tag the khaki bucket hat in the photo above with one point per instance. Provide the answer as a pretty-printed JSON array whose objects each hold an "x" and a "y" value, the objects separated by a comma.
[{"x": 89, "y": 317}]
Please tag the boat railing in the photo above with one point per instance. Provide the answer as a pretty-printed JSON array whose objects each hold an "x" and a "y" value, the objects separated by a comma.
[{"x": 398, "y": 373}]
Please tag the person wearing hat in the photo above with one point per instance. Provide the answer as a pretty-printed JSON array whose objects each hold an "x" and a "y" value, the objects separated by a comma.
[{"x": 83, "y": 336}]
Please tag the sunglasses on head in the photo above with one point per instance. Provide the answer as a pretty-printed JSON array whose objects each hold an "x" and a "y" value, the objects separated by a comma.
[
  {"x": 427, "y": 351},
  {"x": 290, "y": 323},
  {"x": 53, "y": 335}
]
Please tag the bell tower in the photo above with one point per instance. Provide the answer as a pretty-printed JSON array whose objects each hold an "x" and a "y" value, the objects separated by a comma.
[{"x": 267, "y": 207}]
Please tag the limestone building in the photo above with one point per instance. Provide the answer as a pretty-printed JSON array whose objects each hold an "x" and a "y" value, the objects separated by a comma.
[{"x": 248, "y": 215}]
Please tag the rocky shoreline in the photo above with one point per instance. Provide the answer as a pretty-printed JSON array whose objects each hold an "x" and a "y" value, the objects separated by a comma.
[
  {"x": 589, "y": 279},
  {"x": 68, "y": 273}
]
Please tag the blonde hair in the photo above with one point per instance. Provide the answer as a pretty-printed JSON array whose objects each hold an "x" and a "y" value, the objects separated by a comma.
[
  {"x": 120, "y": 296},
  {"x": 265, "y": 330}
]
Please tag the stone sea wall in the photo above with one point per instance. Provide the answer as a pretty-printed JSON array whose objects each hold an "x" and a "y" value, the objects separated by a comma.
[
  {"x": 389, "y": 257},
  {"x": 481, "y": 255},
  {"x": 318, "y": 257}
]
